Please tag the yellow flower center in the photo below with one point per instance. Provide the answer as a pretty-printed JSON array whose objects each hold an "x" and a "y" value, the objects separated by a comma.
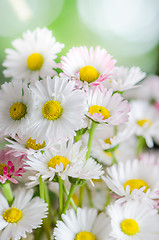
[
  {"x": 143, "y": 121},
  {"x": 2, "y": 166},
  {"x": 97, "y": 180},
  {"x": 109, "y": 154},
  {"x": 75, "y": 199},
  {"x": 12, "y": 215},
  {"x": 107, "y": 141},
  {"x": 136, "y": 184},
  {"x": 88, "y": 74},
  {"x": 35, "y": 61},
  {"x": 52, "y": 110},
  {"x": 57, "y": 160},
  {"x": 85, "y": 236},
  {"x": 17, "y": 111},
  {"x": 129, "y": 227},
  {"x": 99, "y": 109},
  {"x": 31, "y": 143}
]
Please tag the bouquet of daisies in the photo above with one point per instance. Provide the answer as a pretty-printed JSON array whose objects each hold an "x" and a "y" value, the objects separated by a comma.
[{"x": 78, "y": 160}]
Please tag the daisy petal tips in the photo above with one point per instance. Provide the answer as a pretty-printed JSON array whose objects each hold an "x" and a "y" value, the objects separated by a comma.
[
  {"x": 33, "y": 56},
  {"x": 87, "y": 66}
]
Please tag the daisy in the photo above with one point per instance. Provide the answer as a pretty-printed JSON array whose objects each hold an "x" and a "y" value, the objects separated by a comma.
[
  {"x": 65, "y": 159},
  {"x": 58, "y": 109},
  {"x": 106, "y": 107},
  {"x": 134, "y": 220},
  {"x": 87, "y": 67},
  {"x": 86, "y": 224},
  {"x": 24, "y": 215},
  {"x": 33, "y": 56},
  {"x": 123, "y": 78},
  {"x": 116, "y": 139},
  {"x": 15, "y": 108},
  {"x": 26, "y": 144},
  {"x": 10, "y": 166},
  {"x": 145, "y": 118},
  {"x": 107, "y": 136},
  {"x": 134, "y": 179},
  {"x": 120, "y": 153}
]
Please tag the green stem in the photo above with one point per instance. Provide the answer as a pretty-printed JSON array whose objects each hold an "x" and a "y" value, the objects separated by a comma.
[
  {"x": 108, "y": 199},
  {"x": 140, "y": 146},
  {"x": 6, "y": 188},
  {"x": 38, "y": 233},
  {"x": 89, "y": 197},
  {"x": 46, "y": 221},
  {"x": 41, "y": 188},
  {"x": 72, "y": 189},
  {"x": 113, "y": 158},
  {"x": 115, "y": 130},
  {"x": 91, "y": 135},
  {"x": 60, "y": 196},
  {"x": 81, "y": 196},
  {"x": 89, "y": 145},
  {"x": 72, "y": 202},
  {"x": 46, "y": 195}
]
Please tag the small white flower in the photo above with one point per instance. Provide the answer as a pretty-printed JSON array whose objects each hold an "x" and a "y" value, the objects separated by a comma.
[
  {"x": 24, "y": 215},
  {"x": 87, "y": 66},
  {"x": 34, "y": 56},
  {"x": 86, "y": 224},
  {"x": 126, "y": 150},
  {"x": 58, "y": 109},
  {"x": 65, "y": 159},
  {"x": 134, "y": 221},
  {"x": 112, "y": 138},
  {"x": 134, "y": 179},
  {"x": 124, "y": 78},
  {"x": 145, "y": 118},
  {"x": 15, "y": 108},
  {"x": 106, "y": 107},
  {"x": 26, "y": 144}
]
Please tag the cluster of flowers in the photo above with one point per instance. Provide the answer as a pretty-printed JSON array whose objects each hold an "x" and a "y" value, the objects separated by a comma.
[{"x": 71, "y": 135}]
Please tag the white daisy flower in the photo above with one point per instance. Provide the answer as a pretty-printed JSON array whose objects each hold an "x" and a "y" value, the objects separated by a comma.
[
  {"x": 145, "y": 118},
  {"x": 87, "y": 66},
  {"x": 59, "y": 109},
  {"x": 66, "y": 159},
  {"x": 15, "y": 108},
  {"x": 33, "y": 56},
  {"x": 108, "y": 136},
  {"x": 112, "y": 138},
  {"x": 26, "y": 144},
  {"x": 86, "y": 224},
  {"x": 134, "y": 221},
  {"x": 106, "y": 107},
  {"x": 24, "y": 215},
  {"x": 123, "y": 78},
  {"x": 126, "y": 150},
  {"x": 134, "y": 179}
]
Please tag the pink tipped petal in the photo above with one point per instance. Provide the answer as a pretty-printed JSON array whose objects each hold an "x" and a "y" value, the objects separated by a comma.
[
  {"x": 79, "y": 57},
  {"x": 14, "y": 165},
  {"x": 10, "y": 164}
]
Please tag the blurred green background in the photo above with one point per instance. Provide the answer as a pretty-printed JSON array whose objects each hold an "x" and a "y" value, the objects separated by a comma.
[{"x": 127, "y": 29}]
